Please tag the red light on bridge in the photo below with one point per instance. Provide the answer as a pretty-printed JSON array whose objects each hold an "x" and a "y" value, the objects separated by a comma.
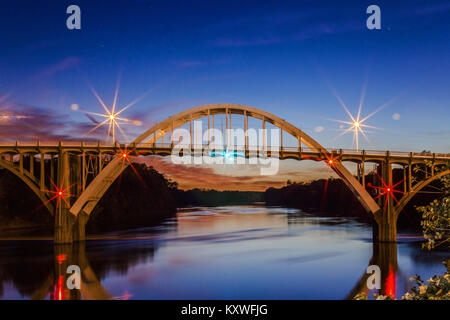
[
  {"x": 387, "y": 190},
  {"x": 60, "y": 193},
  {"x": 330, "y": 159},
  {"x": 125, "y": 156}
]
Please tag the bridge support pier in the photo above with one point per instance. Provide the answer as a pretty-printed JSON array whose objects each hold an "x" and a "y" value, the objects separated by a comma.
[
  {"x": 386, "y": 230},
  {"x": 79, "y": 228},
  {"x": 64, "y": 223},
  {"x": 68, "y": 228},
  {"x": 386, "y": 219}
]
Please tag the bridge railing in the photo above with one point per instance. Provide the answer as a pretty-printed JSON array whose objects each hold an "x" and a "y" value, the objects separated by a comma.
[{"x": 169, "y": 144}]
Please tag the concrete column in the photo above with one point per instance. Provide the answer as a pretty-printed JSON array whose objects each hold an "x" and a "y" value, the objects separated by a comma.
[
  {"x": 79, "y": 227},
  {"x": 83, "y": 171},
  {"x": 190, "y": 132},
  {"x": 387, "y": 227},
  {"x": 363, "y": 169},
  {"x": 64, "y": 220},
  {"x": 387, "y": 222},
  {"x": 21, "y": 163},
  {"x": 42, "y": 173},
  {"x": 52, "y": 168},
  {"x": 31, "y": 155},
  {"x": 264, "y": 133},
  {"x": 404, "y": 179},
  {"x": 409, "y": 176},
  {"x": 245, "y": 130}
]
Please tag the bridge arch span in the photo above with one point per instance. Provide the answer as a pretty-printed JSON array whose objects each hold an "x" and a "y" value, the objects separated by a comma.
[
  {"x": 31, "y": 182},
  {"x": 90, "y": 197},
  {"x": 419, "y": 186}
]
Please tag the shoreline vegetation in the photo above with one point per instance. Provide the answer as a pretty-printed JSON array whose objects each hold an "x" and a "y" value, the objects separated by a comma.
[
  {"x": 159, "y": 198},
  {"x": 436, "y": 230}
]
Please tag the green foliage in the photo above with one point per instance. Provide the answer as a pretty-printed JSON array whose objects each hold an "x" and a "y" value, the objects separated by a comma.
[
  {"x": 436, "y": 223},
  {"x": 436, "y": 230},
  {"x": 435, "y": 288},
  {"x": 436, "y": 216}
]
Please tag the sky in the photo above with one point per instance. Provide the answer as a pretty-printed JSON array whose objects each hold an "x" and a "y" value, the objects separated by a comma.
[{"x": 291, "y": 59}]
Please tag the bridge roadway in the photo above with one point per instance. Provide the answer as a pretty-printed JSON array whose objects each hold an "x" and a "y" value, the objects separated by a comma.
[{"x": 303, "y": 153}]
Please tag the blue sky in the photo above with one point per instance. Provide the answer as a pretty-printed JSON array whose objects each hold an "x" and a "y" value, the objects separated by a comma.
[{"x": 282, "y": 57}]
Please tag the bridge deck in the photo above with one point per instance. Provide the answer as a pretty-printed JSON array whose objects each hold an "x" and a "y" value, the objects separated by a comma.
[{"x": 282, "y": 152}]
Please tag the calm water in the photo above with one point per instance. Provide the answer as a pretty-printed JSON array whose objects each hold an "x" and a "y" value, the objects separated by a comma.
[{"x": 219, "y": 253}]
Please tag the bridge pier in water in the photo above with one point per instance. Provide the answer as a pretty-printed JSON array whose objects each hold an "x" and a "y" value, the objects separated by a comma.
[
  {"x": 386, "y": 219},
  {"x": 68, "y": 227},
  {"x": 385, "y": 228}
]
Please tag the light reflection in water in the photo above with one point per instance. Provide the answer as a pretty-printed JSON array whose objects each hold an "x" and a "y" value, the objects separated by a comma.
[
  {"x": 390, "y": 283},
  {"x": 218, "y": 253}
]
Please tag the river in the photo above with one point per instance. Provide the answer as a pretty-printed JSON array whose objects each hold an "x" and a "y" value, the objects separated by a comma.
[{"x": 241, "y": 252}]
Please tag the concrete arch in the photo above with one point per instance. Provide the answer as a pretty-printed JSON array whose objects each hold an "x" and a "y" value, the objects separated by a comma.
[
  {"x": 89, "y": 198},
  {"x": 404, "y": 200},
  {"x": 31, "y": 182}
]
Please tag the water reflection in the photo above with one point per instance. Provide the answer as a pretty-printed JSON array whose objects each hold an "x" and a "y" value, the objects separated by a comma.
[
  {"x": 384, "y": 255},
  {"x": 38, "y": 270},
  {"x": 219, "y": 253},
  {"x": 26, "y": 267},
  {"x": 38, "y": 274},
  {"x": 91, "y": 288}
]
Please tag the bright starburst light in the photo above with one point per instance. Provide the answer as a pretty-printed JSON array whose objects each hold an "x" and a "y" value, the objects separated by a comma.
[
  {"x": 357, "y": 124},
  {"x": 113, "y": 118}
]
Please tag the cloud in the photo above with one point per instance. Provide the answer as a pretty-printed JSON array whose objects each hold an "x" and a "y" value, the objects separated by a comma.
[
  {"x": 197, "y": 176},
  {"x": 62, "y": 65},
  {"x": 319, "y": 129},
  {"x": 30, "y": 123},
  {"x": 314, "y": 30}
]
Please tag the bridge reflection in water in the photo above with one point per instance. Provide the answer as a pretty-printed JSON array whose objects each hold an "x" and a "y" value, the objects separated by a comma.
[
  {"x": 39, "y": 271},
  {"x": 384, "y": 255},
  {"x": 41, "y": 275},
  {"x": 248, "y": 252}
]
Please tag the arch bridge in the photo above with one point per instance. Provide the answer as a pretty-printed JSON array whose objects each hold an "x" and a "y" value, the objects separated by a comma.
[{"x": 88, "y": 169}]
